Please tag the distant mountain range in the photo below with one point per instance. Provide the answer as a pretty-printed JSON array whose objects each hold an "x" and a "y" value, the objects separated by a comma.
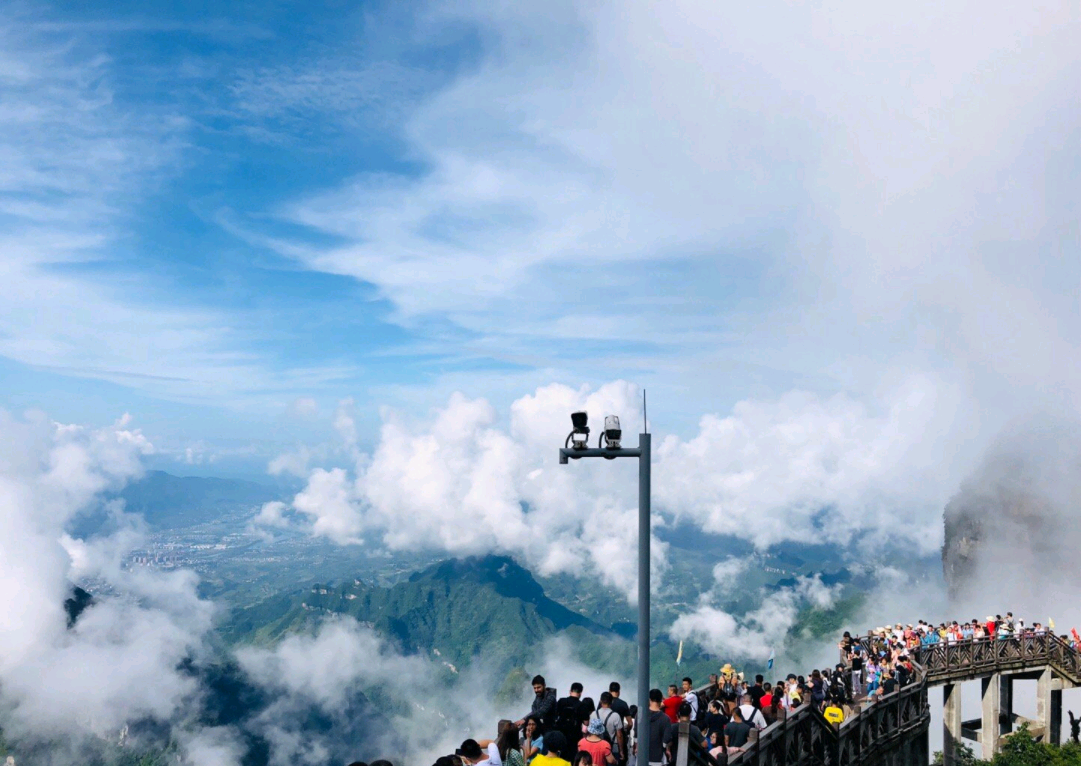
[
  {"x": 167, "y": 502},
  {"x": 454, "y": 610},
  {"x": 489, "y": 608}
]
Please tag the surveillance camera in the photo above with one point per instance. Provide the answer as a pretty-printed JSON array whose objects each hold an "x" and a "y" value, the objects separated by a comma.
[
  {"x": 579, "y": 437},
  {"x": 612, "y": 433}
]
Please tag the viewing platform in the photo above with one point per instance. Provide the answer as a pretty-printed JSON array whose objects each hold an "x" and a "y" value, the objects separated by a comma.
[{"x": 892, "y": 730}]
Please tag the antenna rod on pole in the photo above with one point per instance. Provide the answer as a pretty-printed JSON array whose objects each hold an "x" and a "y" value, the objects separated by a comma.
[{"x": 645, "y": 414}]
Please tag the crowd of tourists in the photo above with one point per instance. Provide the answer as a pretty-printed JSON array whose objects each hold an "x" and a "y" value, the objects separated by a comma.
[{"x": 725, "y": 716}]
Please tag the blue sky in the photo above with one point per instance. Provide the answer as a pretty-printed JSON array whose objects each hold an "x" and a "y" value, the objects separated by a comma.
[{"x": 211, "y": 212}]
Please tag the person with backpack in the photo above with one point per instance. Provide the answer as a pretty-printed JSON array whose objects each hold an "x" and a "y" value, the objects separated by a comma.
[
  {"x": 612, "y": 722},
  {"x": 690, "y": 697},
  {"x": 567, "y": 720},
  {"x": 624, "y": 710},
  {"x": 751, "y": 715},
  {"x": 695, "y": 736}
]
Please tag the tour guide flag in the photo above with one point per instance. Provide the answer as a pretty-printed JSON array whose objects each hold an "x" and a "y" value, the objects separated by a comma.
[
  {"x": 679, "y": 656},
  {"x": 769, "y": 665}
]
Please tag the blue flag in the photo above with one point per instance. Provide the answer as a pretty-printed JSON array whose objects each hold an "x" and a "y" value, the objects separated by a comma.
[{"x": 769, "y": 665}]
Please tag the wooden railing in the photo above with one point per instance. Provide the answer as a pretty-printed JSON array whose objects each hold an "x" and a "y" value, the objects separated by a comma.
[
  {"x": 893, "y": 728},
  {"x": 966, "y": 659}
]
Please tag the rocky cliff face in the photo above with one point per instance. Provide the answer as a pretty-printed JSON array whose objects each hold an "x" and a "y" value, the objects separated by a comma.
[{"x": 1013, "y": 526}]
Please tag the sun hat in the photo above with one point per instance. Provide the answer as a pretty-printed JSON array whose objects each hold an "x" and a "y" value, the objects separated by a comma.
[{"x": 596, "y": 726}]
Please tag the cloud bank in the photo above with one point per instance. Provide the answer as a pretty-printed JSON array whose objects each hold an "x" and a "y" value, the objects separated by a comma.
[{"x": 801, "y": 468}]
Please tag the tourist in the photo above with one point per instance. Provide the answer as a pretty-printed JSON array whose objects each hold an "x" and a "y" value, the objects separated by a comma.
[
  {"x": 612, "y": 723},
  {"x": 566, "y": 718},
  {"x": 492, "y": 745},
  {"x": 585, "y": 711},
  {"x": 737, "y": 732},
  {"x": 838, "y": 690},
  {"x": 718, "y": 749},
  {"x": 672, "y": 702},
  {"x": 776, "y": 710},
  {"x": 658, "y": 728},
  {"x": 751, "y": 715},
  {"x": 871, "y": 670},
  {"x": 690, "y": 697},
  {"x": 532, "y": 740},
  {"x": 757, "y": 691},
  {"x": 833, "y": 713},
  {"x": 470, "y": 752},
  {"x": 624, "y": 710},
  {"x": 597, "y": 744},
  {"x": 889, "y": 683},
  {"x": 544, "y": 706},
  {"x": 818, "y": 689},
  {"x": 715, "y": 719},
  {"x": 583, "y": 759},
  {"x": 554, "y": 744},
  {"x": 509, "y": 746},
  {"x": 695, "y": 736}
]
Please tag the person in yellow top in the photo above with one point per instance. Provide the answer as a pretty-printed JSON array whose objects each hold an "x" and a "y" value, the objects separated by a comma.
[
  {"x": 554, "y": 743},
  {"x": 833, "y": 714}
]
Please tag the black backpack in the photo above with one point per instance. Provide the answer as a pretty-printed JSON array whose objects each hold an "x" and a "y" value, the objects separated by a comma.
[
  {"x": 566, "y": 714},
  {"x": 700, "y": 716}
]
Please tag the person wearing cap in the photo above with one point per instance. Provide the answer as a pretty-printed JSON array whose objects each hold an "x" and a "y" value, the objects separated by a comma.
[
  {"x": 594, "y": 743},
  {"x": 471, "y": 752},
  {"x": 839, "y": 691},
  {"x": 554, "y": 744}
]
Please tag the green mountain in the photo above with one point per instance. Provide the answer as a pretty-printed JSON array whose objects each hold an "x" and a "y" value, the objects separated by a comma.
[
  {"x": 490, "y": 607},
  {"x": 455, "y": 609}
]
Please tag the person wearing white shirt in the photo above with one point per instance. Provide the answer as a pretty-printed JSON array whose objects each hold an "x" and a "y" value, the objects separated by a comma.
[
  {"x": 691, "y": 698},
  {"x": 751, "y": 714}
]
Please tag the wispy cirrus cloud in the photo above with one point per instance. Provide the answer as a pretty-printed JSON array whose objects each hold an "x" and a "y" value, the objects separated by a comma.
[
  {"x": 827, "y": 192},
  {"x": 76, "y": 162}
]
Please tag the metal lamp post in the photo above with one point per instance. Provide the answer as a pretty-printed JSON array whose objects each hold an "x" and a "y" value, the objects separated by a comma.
[{"x": 578, "y": 439}]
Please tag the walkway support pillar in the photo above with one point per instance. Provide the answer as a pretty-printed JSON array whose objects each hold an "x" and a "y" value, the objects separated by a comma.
[
  {"x": 989, "y": 726},
  {"x": 1005, "y": 704},
  {"x": 951, "y": 722},
  {"x": 1049, "y": 707}
]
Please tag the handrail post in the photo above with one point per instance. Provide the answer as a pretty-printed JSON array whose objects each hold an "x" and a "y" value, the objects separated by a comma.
[{"x": 684, "y": 744}]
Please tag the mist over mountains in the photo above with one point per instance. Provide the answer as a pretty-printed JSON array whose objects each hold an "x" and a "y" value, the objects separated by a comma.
[{"x": 1014, "y": 527}]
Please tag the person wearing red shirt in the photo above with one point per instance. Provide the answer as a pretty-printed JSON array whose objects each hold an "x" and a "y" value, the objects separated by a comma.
[
  {"x": 671, "y": 705},
  {"x": 991, "y": 627},
  {"x": 767, "y": 698}
]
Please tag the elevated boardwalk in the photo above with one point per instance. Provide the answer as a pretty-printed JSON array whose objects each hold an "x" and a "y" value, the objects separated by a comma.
[{"x": 893, "y": 730}]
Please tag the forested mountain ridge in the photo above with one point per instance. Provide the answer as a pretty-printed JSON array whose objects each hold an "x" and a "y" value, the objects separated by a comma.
[{"x": 459, "y": 608}]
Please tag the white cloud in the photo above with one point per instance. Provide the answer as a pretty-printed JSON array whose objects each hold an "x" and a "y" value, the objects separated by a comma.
[
  {"x": 325, "y": 667},
  {"x": 119, "y": 662},
  {"x": 463, "y": 485},
  {"x": 849, "y": 192},
  {"x": 761, "y": 631},
  {"x": 804, "y": 467},
  {"x": 801, "y": 468}
]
